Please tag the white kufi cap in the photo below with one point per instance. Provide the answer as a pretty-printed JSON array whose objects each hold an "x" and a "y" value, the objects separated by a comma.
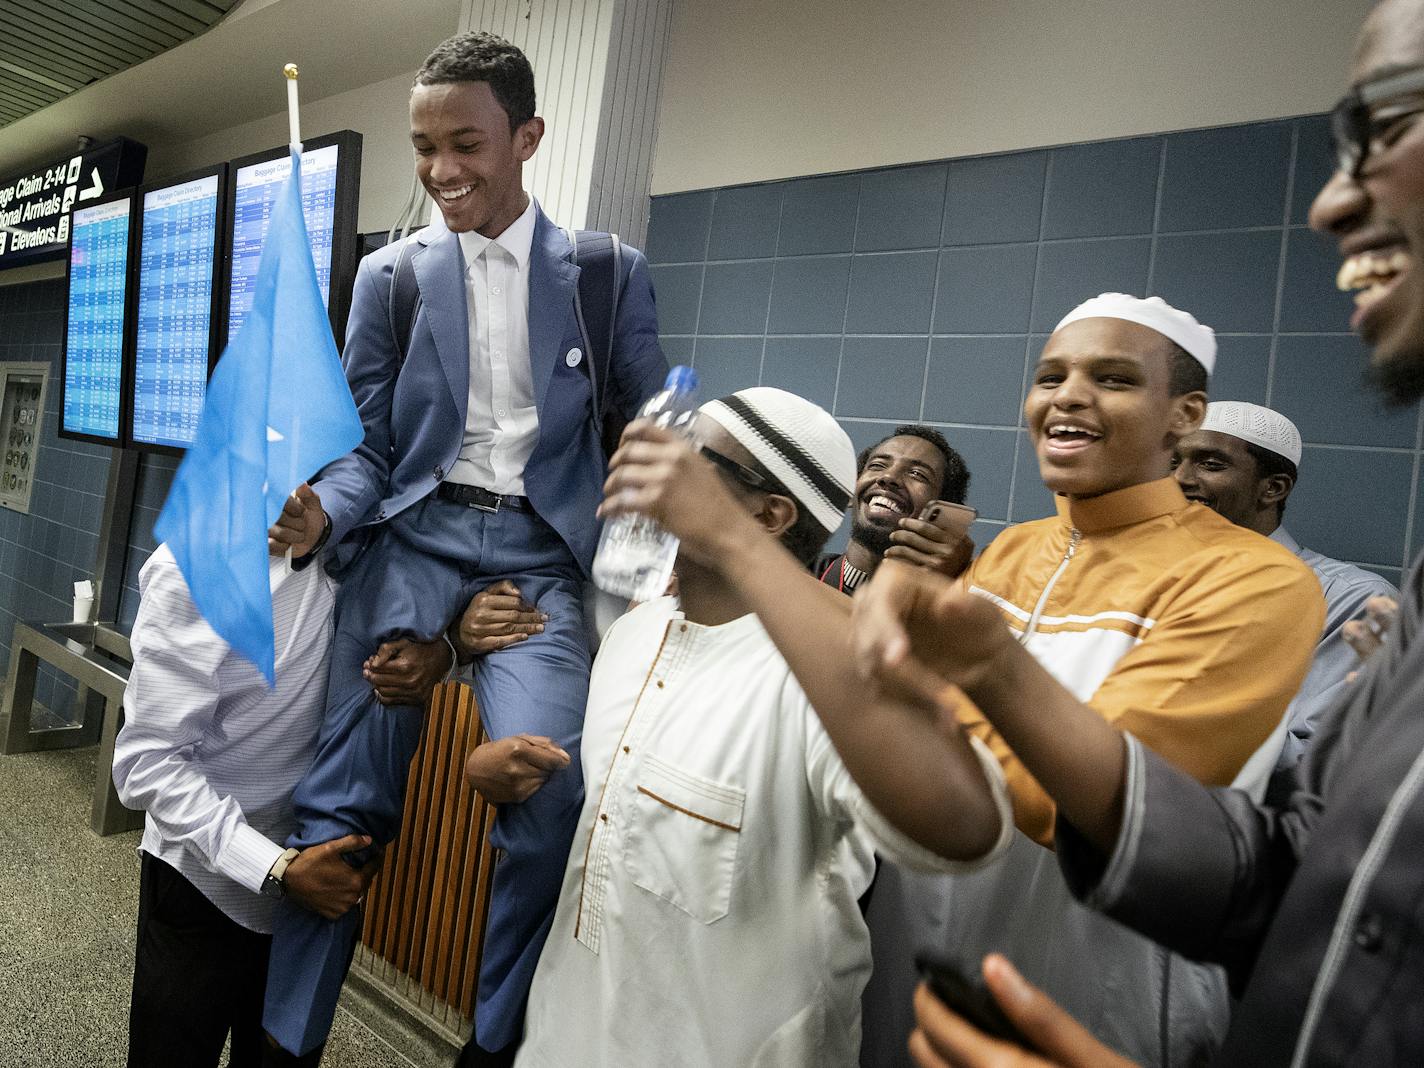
[
  {"x": 1260, "y": 426},
  {"x": 1154, "y": 312},
  {"x": 799, "y": 443}
]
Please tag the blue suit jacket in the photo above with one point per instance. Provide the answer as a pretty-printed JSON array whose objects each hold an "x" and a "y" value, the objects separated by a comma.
[{"x": 414, "y": 414}]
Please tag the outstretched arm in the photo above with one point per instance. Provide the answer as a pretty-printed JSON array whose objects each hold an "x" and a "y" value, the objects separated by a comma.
[
  {"x": 918, "y": 633},
  {"x": 918, "y": 770}
]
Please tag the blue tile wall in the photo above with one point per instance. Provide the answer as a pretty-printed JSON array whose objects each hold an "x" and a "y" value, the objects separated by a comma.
[
  {"x": 1229, "y": 177},
  {"x": 1103, "y": 189},
  {"x": 744, "y": 223},
  {"x": 808, "y": 295},
  {"x": 44, "y": 553},
  {"x": 734, "y": 297},
  {"x": 1227, "y": 278},
  {"x": 924, "y": 293},
  {"x": 892, "y": 293},
  {"x": 900, "y": 209},
  {"x": 806, "y": 366},
  {"x": 985, "y": 289},
  {"x": 1068, "y": 269},
  {"x": 975, "y": 380},
  {"x": 994, "y": 198},
  {"x": 818, "y": 215},
  {"x": 881, "y": 376}
]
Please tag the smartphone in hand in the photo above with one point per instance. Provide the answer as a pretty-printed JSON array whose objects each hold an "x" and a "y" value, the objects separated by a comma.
[
  {"x": 969, "y": 997},
  {"x": 950, "y": 517}
]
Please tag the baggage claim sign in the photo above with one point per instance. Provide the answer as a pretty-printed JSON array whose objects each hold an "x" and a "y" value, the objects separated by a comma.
[{"x": 35, "y": 204}]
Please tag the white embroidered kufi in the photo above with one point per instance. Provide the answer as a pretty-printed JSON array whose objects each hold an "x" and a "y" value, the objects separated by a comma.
[
  {"x": 799, "y": 443},
  {"x": 1155, "y": 313},
  {"x": 1260, "y": 426}
]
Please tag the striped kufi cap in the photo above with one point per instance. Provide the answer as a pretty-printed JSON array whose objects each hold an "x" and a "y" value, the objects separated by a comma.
[{"x": 798, "y": 443}]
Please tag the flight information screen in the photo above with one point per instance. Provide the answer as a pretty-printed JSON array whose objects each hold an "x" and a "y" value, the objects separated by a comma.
[
  {"x": 175, "y": 301},
  {"x": 257, "y": 186},
  {"x": 94, "y": 341}
]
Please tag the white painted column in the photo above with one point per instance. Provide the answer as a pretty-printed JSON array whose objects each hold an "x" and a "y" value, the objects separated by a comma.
[{"x": 597, "y": 71}]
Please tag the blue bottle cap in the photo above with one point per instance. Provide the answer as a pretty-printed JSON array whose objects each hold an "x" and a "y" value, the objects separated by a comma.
[{"x": 681, "y": 379}]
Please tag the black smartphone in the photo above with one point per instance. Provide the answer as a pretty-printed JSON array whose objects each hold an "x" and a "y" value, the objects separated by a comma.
[{"x": 969, "y": 997}]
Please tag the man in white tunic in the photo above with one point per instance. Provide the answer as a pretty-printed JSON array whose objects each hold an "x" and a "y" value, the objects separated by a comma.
[
  {"x": 212, "y": 753},
  {"x": 708, "y": 910}
]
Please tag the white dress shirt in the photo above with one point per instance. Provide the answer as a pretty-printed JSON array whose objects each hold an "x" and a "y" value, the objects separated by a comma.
[
  {"x": 207, "y": 749},
  {"x": 708, "y": 914},
  {"x": 501, "y": 423}
]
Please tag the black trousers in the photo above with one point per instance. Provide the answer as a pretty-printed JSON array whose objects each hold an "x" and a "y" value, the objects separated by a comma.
[
  {"x": 198, "y": 975},
  {"x": 475, "y": 1056}
]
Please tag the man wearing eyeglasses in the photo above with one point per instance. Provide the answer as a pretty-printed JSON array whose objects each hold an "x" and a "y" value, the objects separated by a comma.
[
  {"x": 1312, "y": 905},
  {"x": 739, "y": 777}
]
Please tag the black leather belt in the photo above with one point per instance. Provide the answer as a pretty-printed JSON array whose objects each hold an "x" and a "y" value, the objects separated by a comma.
[{"x": 483, "y": 499}]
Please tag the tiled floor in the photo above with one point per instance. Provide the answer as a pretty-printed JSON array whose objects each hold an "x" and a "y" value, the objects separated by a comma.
[{"x": 68, "y": 905}]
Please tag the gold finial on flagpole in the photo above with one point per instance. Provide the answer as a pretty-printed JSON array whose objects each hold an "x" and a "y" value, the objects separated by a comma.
[{"x": 294, "y": 128}]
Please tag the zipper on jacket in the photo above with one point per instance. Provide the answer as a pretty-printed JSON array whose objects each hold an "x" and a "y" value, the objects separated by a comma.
[{"x": 1074, "y": 537}]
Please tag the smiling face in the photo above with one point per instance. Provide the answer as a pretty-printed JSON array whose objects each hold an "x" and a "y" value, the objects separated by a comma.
[
  {"x": 1378, "y": 218},
  {"x": 901, "y": 476},
  {"x": 1216, "y": 470},
  {"x": 467, "y": 158},
  {"x": 1100, "y": 410}
]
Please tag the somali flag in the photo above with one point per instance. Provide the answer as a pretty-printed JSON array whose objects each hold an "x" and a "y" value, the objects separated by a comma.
[{"x": 278, "y": 409}]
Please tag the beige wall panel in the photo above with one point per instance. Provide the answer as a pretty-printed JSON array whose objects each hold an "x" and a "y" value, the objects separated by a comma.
[{"x": 756, "y": 91}]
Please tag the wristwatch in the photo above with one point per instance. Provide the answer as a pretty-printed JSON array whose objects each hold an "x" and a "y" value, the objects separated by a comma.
[
  {"x": 272, "y": 885},
  {"x": 306, "y": 558}
]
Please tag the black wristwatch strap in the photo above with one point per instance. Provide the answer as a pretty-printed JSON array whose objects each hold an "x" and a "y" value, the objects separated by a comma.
[{"x": 304, "y": 561}]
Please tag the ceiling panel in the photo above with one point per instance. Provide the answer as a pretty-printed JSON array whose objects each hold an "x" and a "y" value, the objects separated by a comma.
[{"x": 56, "y": 47}]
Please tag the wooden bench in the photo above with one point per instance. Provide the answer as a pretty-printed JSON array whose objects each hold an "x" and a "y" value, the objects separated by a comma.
[{"x": 425, "y": 914}]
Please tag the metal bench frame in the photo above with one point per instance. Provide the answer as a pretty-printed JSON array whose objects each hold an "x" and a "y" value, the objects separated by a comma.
[{"x": 78, "y": 650}]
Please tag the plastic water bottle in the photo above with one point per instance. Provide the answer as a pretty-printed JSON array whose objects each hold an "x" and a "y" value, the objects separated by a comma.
[{"x": 635, "y": 555}]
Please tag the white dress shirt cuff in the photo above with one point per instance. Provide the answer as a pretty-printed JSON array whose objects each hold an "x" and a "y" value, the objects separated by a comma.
[
  {"x": 908, "y": 853},
  {"x": 453, "y": 674},
  {"x": 248, "y": 857}
]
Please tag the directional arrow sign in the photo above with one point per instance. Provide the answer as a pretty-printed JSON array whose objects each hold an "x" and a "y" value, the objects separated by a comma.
[
  {"x": 95, "y": 189},
  {"x": 35, "y": 204}
]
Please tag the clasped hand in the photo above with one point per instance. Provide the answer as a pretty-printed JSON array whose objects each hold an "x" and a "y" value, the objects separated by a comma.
[
  {"x": 321, "y": 879},
  {"x": 916, "y": 632},
  {"x": 300, "y": 524},
  {"x": 496, "y": 618},
  {"x": 512, "y": 769}
]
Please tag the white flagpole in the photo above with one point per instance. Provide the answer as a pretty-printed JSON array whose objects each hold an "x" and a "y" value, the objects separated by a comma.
[{"x": 295, "y": 131}]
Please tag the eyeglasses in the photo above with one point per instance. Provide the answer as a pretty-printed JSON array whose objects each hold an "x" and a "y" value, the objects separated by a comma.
[
  {"x": 743, "y": 474},
  {"x": 1356, "y": 128}
]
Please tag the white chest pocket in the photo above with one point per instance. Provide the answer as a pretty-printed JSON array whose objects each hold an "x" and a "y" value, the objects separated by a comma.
[{"x": 682, "y": 839}]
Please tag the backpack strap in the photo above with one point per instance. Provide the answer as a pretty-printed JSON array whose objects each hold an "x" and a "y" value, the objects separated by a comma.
[
  {"x": 599, "y": 257},
  {"x": 403, "y": 302}
]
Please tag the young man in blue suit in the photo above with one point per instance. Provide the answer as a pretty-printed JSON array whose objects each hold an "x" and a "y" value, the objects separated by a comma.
[{"x": 481, "y": 463}]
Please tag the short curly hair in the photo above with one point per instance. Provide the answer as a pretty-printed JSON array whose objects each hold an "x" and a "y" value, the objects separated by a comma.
[
  {"x": 955, "y": 486},
  {"x": 478, "y": 56}
]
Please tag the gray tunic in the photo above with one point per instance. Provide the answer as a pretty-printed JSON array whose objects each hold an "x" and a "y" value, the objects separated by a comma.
[{"x": 1313, "y": 906}]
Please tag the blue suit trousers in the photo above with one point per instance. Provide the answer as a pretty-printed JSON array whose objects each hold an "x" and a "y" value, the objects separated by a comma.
[{"x": 417, "y": 574}]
